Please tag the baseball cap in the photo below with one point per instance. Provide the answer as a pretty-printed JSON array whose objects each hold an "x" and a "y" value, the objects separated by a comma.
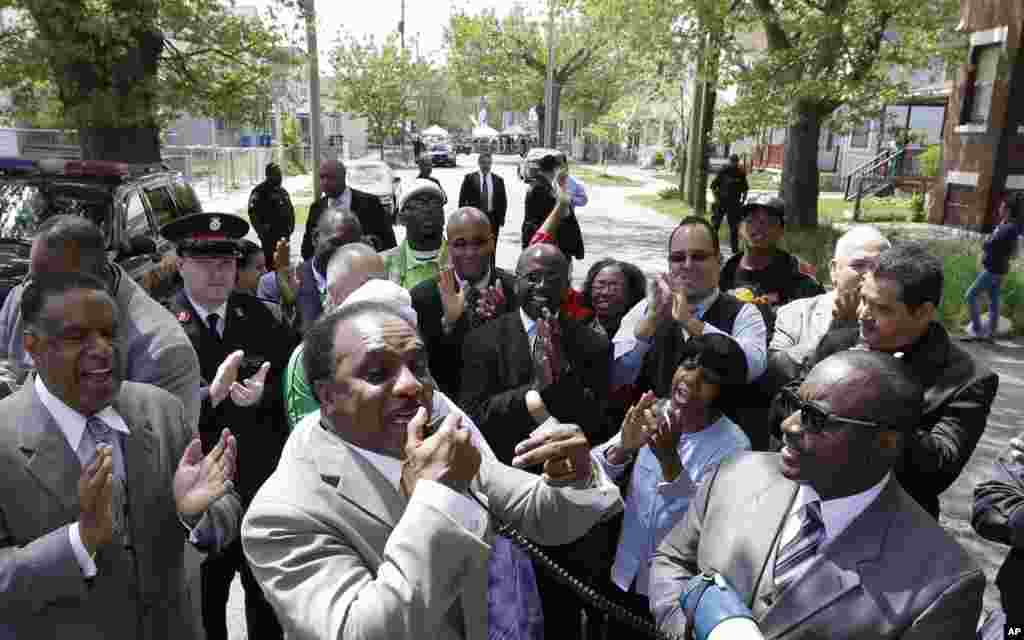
[
  {"x": 420, "y": 186},
  {"x": 773, "y": 204}
]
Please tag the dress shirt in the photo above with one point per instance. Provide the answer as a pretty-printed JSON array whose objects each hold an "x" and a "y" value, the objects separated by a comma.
[
  {"x": 577, "y": 192},
  {"x": 72, "y": 425},
  {"x": 748, "y": 330},
  {"x": 486, "y": 177},
  {"x": 203, "y": 312},
  {"x": 654, "y": 506},
  {"x": 529, "y": 324},
  {"x": 837, "y": 514},
  {"x": 343, "y": 201}
]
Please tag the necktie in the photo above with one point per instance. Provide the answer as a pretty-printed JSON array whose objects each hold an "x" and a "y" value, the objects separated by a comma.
[
  {"x": 799, "y": 552},
  {"x": 472, "y": 298},
  {"x": 484, "y": 194},
  {"x": 102, "y": 434},
  {"x": 213, "y": 321}
]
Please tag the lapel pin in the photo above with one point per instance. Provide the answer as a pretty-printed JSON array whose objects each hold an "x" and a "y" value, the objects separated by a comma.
[{"x": 184, "y": 316}]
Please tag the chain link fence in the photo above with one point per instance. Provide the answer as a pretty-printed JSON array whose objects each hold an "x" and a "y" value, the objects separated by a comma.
[{"x": 214, "y": 170}]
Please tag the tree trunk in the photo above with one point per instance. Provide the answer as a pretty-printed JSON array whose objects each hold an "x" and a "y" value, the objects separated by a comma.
[
  {"x": 683, "y": 141},
  {"x": 707, "y": 123},
  {"x": 137, "y": 145},
  {"x": 800, "y": 166},
  {"x": 382, "y": 149},
  {"x": 694, "y": 156}
]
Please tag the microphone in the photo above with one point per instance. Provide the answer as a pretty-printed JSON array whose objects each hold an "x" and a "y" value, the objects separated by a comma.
[{"x": 715, "y": 611}]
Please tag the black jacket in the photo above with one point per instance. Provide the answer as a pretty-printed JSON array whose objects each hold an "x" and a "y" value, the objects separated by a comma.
[
  {"x": 307, "y": 298},
  {"x": 998, "y": 515},
  {"x": 271, "y": 212},
  {"x": 261, "y": 429},
  {"x": 375, "y": 221},
  {"x": 445, "y": 350},
  {"x": 471, "y": 196},
  {"x": 958, "y": 396},
  {"x": 786, "y": 279},
  {"x": 540, "y": 200},
  {"x": 498, "y": 371}
]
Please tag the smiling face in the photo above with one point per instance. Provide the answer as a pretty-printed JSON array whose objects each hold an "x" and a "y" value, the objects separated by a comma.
[
  {"x": 886, "y": 323},
  {"x": 542, "y": 277},
  {"x": 380, "y": 380},
  {"x": 761, "y": 229},
  {"x": 693, "y": 263},
  {"x": 75, "y": 350},
  {"x": 608, "y": 292},
  {"x": 692, "y": 390},
  {"x": 470, "y": 245}
]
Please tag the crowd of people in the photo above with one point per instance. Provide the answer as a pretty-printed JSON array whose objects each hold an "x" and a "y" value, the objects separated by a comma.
[{"x": 350, "y": 436}]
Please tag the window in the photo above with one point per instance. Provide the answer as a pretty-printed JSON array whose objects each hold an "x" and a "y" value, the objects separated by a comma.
[
  {"x": 162, "y": 205},
  {"x": 978, "y": 95},
  {"x": 186, "y": 198},
  {"x": 859, "y": 136},
  {"x": 136, "y": 222}
]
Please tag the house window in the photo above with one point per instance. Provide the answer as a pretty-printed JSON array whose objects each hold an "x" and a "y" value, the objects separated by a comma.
[
  {"x": 981, "y": 79},
  {"x": 859, "y": 137}
]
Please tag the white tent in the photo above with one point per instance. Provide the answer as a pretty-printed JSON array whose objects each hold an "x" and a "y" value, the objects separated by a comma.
[
  {"x": 515, "y": 130},
  {"x": 434, "y": 131},
  {"x": 485, "y": 132}
]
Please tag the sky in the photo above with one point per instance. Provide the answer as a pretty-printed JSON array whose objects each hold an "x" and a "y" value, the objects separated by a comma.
[{"x": 380, "y": 17}]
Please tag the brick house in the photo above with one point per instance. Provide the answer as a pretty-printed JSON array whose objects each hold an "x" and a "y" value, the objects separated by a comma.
[{"x": 983, "y": 137}]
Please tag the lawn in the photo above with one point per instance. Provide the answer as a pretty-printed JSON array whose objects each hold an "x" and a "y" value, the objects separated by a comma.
[
  {"x": 594, "y": 175},
  {"x": 301, "y": 200}
]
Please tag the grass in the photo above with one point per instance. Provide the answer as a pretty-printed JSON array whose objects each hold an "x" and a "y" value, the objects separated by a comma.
[
  {"x": 595, "y": 175},
  {"x": 871, "y": 210},
  {"x": 301, "y": 211}
]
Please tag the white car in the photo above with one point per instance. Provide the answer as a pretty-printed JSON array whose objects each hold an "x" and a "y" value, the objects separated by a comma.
[{"x": 376, "y": 178}]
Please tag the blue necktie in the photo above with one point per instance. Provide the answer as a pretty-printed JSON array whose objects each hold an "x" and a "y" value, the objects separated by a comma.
[{"x": 798, "y": 553}]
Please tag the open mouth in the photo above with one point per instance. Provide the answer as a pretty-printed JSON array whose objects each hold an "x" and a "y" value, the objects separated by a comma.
[{"x": 98, "y": 377}]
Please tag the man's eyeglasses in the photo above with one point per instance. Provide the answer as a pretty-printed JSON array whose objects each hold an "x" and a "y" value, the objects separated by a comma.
[
  {"x": 815, "y": 420},
  {"x": 536, "y": 278},
  {"x": 696, "y": 256}
]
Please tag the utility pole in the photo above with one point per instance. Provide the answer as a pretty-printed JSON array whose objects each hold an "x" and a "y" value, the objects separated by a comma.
[
  {"x": 401, "y": 26},
  {"x": 550, "y": 126},
  {"x": 314, "y": 91}
]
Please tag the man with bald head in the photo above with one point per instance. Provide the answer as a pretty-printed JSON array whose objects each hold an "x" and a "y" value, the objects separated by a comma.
[
  {"x": 831, "y": 545},
  {"x": 337, "y": 195},
  {"x": 336, "y": 227},
  {"x": 469, "y": 292},
  {"x": 348, "y": 268}
]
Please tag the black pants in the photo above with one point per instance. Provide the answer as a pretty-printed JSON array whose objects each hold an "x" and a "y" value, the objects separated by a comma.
[
  {"x": 217, "y": 572},
  {"x": 731, "y": 212}
]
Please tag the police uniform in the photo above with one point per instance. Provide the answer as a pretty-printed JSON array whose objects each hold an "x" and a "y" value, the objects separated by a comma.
[
  {"x": 260, "y": 430},
  {"x": 272, "y": 215}
]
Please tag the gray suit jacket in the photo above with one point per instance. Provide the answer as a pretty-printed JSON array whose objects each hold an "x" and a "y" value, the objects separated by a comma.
[
  {"x": 341, "y": 554},
  {"x": 136, "y": 593},
  {"x": 893, "y": 573},
  {"x": 154, "y": 347}
]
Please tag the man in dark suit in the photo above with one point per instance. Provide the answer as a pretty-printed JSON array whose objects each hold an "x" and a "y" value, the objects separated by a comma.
[
  {"x": 376, "y": 224},
  {"x": 535, "y": 348},
  {"x": 822, "y": 541},
  {"x": 337, "y": 227},
  {"x": 485, "y": 190},
  {"x": 899, "y": 299},
  {"x": 243, "y": 351},
  {"x": 104, "y": 480},
  {"x": 463, "y": 297},
  {"x": 541, "y": 199}
]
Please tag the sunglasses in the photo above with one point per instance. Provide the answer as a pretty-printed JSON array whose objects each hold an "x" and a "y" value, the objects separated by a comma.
[{"x": 815, "y": 420}]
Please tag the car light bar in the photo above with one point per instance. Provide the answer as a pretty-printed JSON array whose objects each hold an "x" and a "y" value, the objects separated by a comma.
[
  {"x": 96, "y": 169},
  {"x": 14, "y": 164}
]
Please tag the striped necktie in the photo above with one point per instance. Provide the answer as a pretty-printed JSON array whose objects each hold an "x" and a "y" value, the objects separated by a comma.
[
  {"x": 102, "y": 434},
  {"x": 794, "y": 557}
]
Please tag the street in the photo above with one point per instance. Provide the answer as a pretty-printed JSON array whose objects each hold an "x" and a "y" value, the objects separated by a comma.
[{"x": 613, "y": 227}]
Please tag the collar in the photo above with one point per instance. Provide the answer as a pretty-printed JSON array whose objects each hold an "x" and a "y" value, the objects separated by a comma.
[
  {"x": 479, "y": 285},
  {"x": 838, "y": 513},
  {"x": 705, "y": 304},
  {"x": 344, "y": 199},
  {"x": 71, "y": 422},
  {"x": 391, "y": 468},
  {"x": 203, "y": 312},
  {"x": 415, "y": 258}
]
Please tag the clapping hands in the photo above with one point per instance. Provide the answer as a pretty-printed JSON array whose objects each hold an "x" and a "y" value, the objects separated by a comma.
[
  {"x": 243, "y": 394},
  {"x": 547, "y": 356}
]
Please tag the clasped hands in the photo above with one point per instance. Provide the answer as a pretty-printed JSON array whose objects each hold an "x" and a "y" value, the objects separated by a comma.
[
  {"x": 453, "y": 298},
  {"x": 225, "y": 382},
  {"x": 642, "y": 427},
  {"x": 547, "y": 351},
  {"x": 664, "y": 303}
]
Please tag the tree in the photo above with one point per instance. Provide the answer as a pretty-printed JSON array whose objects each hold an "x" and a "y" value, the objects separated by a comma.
[
  {"x": 377, "y": 83},
  {"x": 120, "y": 69}
]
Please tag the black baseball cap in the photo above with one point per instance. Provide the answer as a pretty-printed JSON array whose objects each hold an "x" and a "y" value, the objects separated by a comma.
[
  {"x": 719, "y": 355},
  {"x": 773, "y": 204},
  {"x": 207, "y": 234}
]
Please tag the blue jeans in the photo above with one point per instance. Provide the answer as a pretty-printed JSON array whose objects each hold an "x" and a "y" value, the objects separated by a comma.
[{"x": 989, "y": 282}]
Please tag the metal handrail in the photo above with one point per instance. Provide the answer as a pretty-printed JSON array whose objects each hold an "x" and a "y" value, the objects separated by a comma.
[{"x": 883, "y": 159}]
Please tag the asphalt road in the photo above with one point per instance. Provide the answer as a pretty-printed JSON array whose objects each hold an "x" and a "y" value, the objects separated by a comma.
[{"x": 613, "y": 227}]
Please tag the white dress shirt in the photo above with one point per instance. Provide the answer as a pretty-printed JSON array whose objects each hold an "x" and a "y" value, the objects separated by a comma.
[
  {"x": 486, "y": 178},
  {"x": 204, "y": 313},
  {"x": 72, "y": 425},
  {"x": 343, "y": 201}
]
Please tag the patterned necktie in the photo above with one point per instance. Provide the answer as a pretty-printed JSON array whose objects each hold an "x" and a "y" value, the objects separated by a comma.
[
  {"x": 213, "y": 321},
  {"x": 799, "y": 552},
  {"x": 472, "y": 299},
  {"x": 102, "y": 434}
]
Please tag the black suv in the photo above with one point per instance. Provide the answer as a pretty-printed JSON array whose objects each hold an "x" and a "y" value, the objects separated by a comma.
[{"x": 129, "y": 203}]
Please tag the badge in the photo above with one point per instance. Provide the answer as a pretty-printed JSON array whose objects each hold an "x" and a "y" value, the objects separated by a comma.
[
  {"x": 239, "y": 313},
  {"x": 184, "y": 316},
  {"x": 215, "y": 224}
]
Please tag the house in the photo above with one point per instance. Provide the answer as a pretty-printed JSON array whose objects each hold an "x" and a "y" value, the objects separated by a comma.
[{"x": 983, "y": 138}]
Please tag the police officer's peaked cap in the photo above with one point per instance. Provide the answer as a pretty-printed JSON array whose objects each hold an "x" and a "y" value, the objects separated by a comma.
[
  {"x": 773, "y": 204},
  {"x": 207, "y": 234}
]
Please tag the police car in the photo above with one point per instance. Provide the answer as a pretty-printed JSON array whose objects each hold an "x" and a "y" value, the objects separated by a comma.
[{"x": 128, "y": 202}]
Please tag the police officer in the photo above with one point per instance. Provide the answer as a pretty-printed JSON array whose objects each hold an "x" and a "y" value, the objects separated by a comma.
[
  {"x": 271, "y": 212},
  {"x": 730, "y": 188},
  {"x": 242, "y": 351}
]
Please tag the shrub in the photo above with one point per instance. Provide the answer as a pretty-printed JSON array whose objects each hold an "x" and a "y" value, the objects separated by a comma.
[
  {"x": 916, "y": 205},
  {"x": 659, "y": 158},
  {"x": 671, "y": 193},
  {"x": 814, "y": 246},
  {"x": 930, "y": 160}
]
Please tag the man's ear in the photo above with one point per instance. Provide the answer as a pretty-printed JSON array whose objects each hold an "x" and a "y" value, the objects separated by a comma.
[{"x": 33, "y": 344}]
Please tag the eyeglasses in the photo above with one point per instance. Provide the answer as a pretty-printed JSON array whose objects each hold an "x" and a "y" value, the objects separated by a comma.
[
  {"x": 681, "y": 256},
  {"x": 814, "y": 419},
  {"x": 536, "y": 278}
]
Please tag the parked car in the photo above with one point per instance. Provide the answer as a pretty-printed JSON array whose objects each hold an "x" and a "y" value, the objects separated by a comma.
[
  {"x": 442, "y": 154},
  {"x": 528, "y": 167},
  {"x": 375, "y": 177},
  {"x": 129, "y": 203},
  {"x": 463, "y": 146}
]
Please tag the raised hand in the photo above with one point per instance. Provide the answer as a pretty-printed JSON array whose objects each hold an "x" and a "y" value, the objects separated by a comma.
[
  {"x": 636, "y": 424},
  {"x": 250, "y": 391},
  {"x": 282, "y": 255},
  {"x": 660, "y": 305},
  {"x": 453, "y": 299},
  {"x": 226, "y": 376},
  {"x": 844, "y": 309},
  {"x": 490, "y": 302},
  {"x": 561, "y": 449},
  {"x": 680, "y": 307},
  {"x": 199, "y": 481},
  {"x": 546, "y": 362},
  {"x": 96, "y": 500},
  {"x": 663, "y": 438},
  {"x": 448, "y": 456}
]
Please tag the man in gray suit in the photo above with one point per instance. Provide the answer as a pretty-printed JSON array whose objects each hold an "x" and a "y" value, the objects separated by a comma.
[
  {"x": 822, "y": 541},
  {"x": 103, "y": 482},
  {"x": 373, "y": 527}
]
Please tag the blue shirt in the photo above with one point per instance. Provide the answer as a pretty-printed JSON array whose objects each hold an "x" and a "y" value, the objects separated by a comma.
[{"x": 653, "y": 506}]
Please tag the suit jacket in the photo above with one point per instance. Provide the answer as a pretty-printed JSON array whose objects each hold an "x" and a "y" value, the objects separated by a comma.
[
  {"x": 372, "y": 217},
  {"x": 445, "y": 350},
  {"x": 137, "y": 593},
  {"x": 958, "y": 396},
  {"x": 892, "y": 573},
  {"x": 998, "y": 515},
  {"x": 262, "y": 428},
  {"x": 497, "y": 372},
  {"x": 470, "y": 195},
  {"x": 540, "y": 200},
  {"x": 340, "y": 553},
  {"x": 307, "y": 298}
]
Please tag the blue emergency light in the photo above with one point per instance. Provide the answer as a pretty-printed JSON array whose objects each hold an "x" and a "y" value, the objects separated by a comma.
[{"x": 15, "y": 164}]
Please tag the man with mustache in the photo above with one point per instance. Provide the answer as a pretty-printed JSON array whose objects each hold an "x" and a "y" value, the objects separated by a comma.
[
  {"x": 373, "y": 527},
  {"x": 898, "y": 303},
  {"x": 423, "y": 251},
  {"x": 822, "y": 541},
  {"x": 683, "y": 303},
  {"x": 104, "y": 480}
]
